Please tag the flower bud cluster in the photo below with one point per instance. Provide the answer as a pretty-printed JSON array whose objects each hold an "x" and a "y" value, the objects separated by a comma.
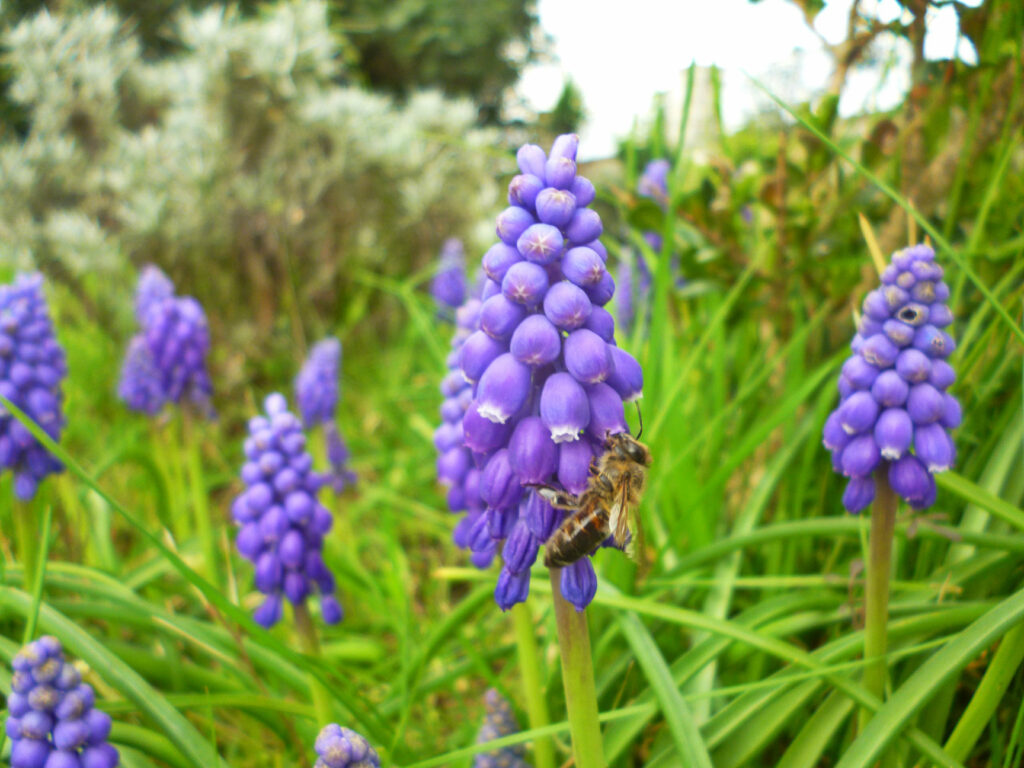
[
  {"x": 498, "y": 721},
  {"x": 338, "y": 747},
  {"x": 166, "y": 360},
  {"x": 547, "y": 379},
  {"x": 316, "y": 392},
  {"x": 895, "y": 413},
  {"x": 455, "y": 468},
  {"x": 32, "y": 366},
  {"x": 449, "y": 285},
  {"x": 281, "y": 522},
  {"x": 51, "y": 720}
]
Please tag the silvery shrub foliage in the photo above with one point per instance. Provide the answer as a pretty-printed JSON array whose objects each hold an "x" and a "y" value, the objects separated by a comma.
[{"x": 248, "y": 150}]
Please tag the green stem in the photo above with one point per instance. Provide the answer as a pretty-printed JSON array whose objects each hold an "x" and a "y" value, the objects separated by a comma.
[
  {"x": 199, "y": 502},
  {"x": 311, "y": 647},
  {"x": 533, "y": 687},
  {"x": 981, "y": 711},
  {"x": 876, "y": 610},
  {"x": 27, "y": 529},
  {"x": 578, "y": 679}
]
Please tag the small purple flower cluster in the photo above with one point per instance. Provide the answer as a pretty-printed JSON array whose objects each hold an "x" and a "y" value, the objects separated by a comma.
[
  {"x": 895, "y": 413},
  {"x": 338, "y": 747},
  {"x": 51, "y": 720},
  {"x": 166, "y": 360},
  {"x": 547, "y": 379},
  {"x": 282, "y": 525},
  {"x": 653, "y": 183},
  {"x": 498, "y": 721},
  {"x": 455, "y": 467},
  {"x": 32, "y": 366},
  {"x": 316, "y": 392},
  {"x": 449, "y": 285}
]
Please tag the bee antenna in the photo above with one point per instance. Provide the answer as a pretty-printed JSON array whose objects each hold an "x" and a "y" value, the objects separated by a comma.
[{"x": 640, "y": 418}]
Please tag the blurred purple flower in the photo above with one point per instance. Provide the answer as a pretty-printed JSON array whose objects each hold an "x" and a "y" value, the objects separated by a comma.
[
  {"x": 449, "y": 285},
  {"x": 540, "y": 386},
  {"x": 51, "y": 720},
  {"x": 498, "y": 721},
  {"x": 166, "y": 360},
  {"x": 895, "y": 413},
  {"x": 338, "y": 747},
  {"x": 281, "y": 522},
  {"x": 32, "y": 366},
  {"x": 316, "y": 392}
]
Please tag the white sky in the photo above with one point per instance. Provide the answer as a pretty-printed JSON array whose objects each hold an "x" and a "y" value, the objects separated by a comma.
[{"x": 621, "y": 54}]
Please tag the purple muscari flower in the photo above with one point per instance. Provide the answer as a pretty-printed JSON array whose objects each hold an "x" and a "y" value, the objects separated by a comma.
[
  {"x": 449, "y": 285},
  {"x": 166, "y": 360},
  {"x": 543, "y": 382},
  {"x": 51, "y": 720},
  {"x": 154, "y": 286},
  {"x": 499, "y": 721},
  {"x": 139, "y": 385},
  {"x": 338, "y": 747},
  {"x": 316, "y": 393},
  {"x": 895, "y": 413},
  {"x": 281, "y": 522},
  {"x": 32, "y": 366}
]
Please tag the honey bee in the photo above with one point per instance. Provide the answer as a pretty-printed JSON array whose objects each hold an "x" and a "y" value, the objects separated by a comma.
[{"x": 607, "y": 506}]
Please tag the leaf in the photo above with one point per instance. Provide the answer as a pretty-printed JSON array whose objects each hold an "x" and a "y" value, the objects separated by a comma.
[{"x": 889, "y": 721}]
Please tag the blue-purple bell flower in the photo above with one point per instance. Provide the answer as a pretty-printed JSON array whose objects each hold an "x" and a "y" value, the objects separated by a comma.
[
  {"x": 449, "y": 284},
  {"x": 542, "y": 381},
  {"x": 895, "y": 414},
  {"x": 499, "y": 721},
  {"x": 338, "y": 747},
  {"x": 316, "y": 393},
  {"x": 281, "y": 523},
  {"x": 51, "y": 719},
  {"x": 32, "y": 366},
  {"x": 166, "y": 360}
]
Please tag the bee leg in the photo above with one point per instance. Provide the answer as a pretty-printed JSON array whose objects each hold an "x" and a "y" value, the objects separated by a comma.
[{"x": 556, "y": 497}]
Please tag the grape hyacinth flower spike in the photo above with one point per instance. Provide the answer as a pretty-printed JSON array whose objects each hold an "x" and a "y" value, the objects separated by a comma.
[
  {"x": 547, "y": 380},
  {"x": 32, "y": 366},
  {"x": 166, "y": 360},
  {"x": 890, "y": 433},
  {"x": 51, "y": 720},
  {"x": 498, "y": 721},
  {"x": 895, "y": 413},
  {"x": 317, "y": 392},
  {"x": 449, "y": 284},
  {"x": 281, "y": 523},
  {"x": 338, "y": 747}
]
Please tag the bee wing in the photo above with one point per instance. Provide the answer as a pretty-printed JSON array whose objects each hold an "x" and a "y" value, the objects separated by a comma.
[
  {"x": 557, "y": 498},
  {"x": 618, "y": 516}
]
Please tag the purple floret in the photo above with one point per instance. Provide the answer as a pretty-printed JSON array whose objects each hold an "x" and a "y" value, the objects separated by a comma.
[
  {"x": 51, "y": 719},
  {"x": 32, "y": 366},
  {"x": 316, "y": 392},
  {"x": 281, "y": 522},
  {"x": 338, "y": 747},
  {"x": 166, "y": 360},
  {"x": 449, "y": 284},
  {"x": 499, "y": 721},
  {"x": 895, "y": 414}
]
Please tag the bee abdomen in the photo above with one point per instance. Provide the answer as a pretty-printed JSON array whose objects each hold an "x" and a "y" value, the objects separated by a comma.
[{"x": 577, "y": 537}]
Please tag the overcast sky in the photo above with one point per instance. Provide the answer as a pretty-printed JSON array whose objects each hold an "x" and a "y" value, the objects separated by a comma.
[{"x": 620, "y": 55}]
